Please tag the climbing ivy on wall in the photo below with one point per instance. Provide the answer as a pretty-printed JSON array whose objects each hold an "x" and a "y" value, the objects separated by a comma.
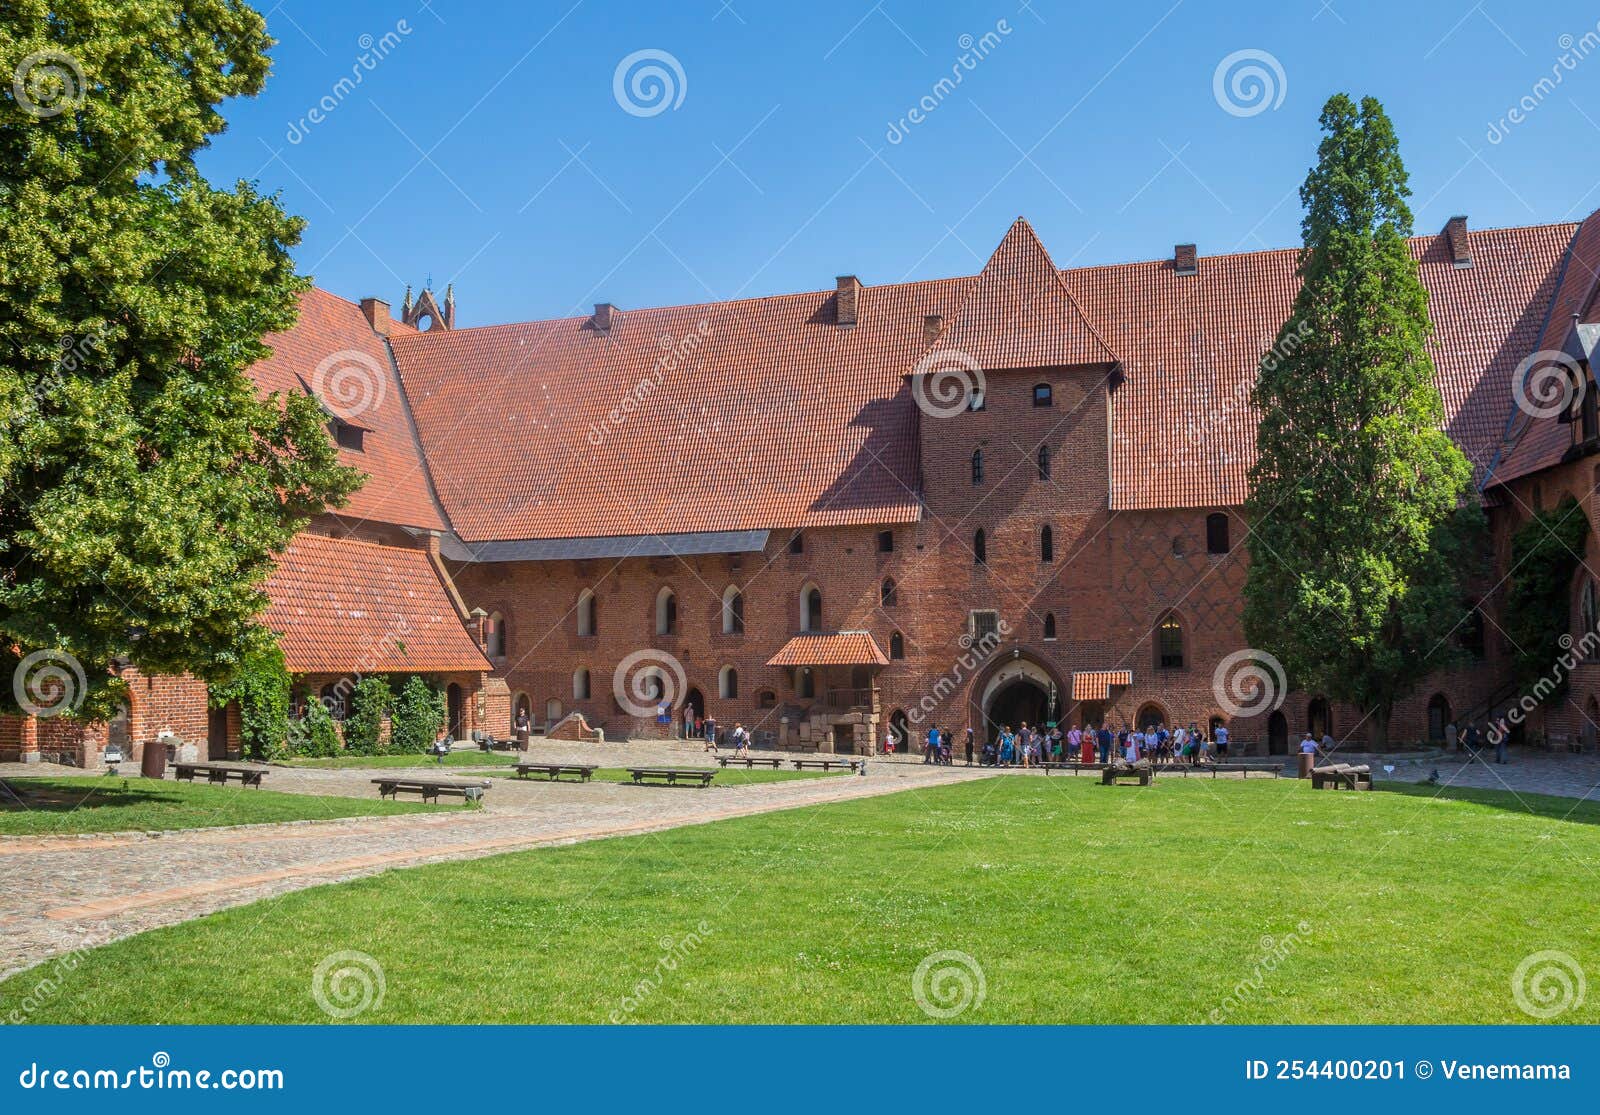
[
  {"x": 1545, "y": 553},
  {"x": 261, "y": 685}
]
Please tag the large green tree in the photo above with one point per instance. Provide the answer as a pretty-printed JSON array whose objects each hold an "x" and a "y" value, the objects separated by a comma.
[
  {"x": 144, "y": 484},
  {"x": 1364, "y": 526}
]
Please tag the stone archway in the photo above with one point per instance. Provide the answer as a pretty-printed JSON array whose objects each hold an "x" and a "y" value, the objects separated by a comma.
[{"x": 1019, "y": 688}]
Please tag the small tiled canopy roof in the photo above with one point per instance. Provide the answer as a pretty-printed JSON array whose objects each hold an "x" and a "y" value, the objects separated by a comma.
[
  {"x": 341, "y": 606},
  {"x": 1095, "y": 685},
  {"x": 845, "y": 648}
]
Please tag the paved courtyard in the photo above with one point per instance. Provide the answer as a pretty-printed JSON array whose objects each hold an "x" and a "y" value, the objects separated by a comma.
[{"x": 63, "y": 893}]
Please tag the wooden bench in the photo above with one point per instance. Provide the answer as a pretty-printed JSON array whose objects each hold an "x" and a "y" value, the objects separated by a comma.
[
  {"x": 1112, "y": 776},
  {"x": 1271, "y": 770},
  {"x": 429, "y": 788},
  {"x": 1074, "y": 767},
  {"x": 554, "y": 771},
  {"x": 671, "y": 775},
  {"x": 219, "y": 773},
  {"x": 826, "y": 764},
  {"x": 749, "y": 761},
  {"x": 1341, "y": 776}
]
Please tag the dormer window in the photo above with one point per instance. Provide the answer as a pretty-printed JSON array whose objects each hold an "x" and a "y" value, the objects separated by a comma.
[{"x": 347, "y": 435}]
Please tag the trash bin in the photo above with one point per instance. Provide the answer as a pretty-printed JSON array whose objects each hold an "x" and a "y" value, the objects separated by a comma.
[
  {"x": 153, "y": 763},
  {"x": 1306, "y": 763}
]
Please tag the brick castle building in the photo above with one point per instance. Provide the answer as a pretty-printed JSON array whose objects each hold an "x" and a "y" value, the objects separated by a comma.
[{"x": 1008, "y": 497}]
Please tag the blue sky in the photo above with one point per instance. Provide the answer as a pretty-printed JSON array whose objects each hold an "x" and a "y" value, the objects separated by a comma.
[{"x": 485, "y": 143}]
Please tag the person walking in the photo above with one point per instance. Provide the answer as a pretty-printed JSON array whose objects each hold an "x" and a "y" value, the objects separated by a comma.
[
  {"x": 523, "y": 729},
  {"x": 1221, "y": 735},
  {"x": 1502, "y": 739},
  {"x": 930, "y": 749},
  {"x": 1452, "y": 741},
  {"x": 969, "y": 747}
]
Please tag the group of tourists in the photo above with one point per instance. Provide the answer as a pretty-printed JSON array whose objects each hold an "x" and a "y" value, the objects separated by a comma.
[
  {"x": 1478, "y": 736},
  {"x": 1031, "y": 746}
]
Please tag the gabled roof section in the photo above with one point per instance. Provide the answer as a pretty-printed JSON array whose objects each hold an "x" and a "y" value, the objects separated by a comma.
[
  {"x": 1534, "y": 442},
  {"x": 840, "y": 648},
  {"x": 332, "y": 353},
  {"x": 1184, "y": 431},
  {"x": 343, "y": 606},
  {"x": 1019, "y": 313},
  {"x": 757, "y": 414}
]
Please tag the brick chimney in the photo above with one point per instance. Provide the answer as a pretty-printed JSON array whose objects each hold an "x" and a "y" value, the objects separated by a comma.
[
  {"x": 932, "y": 325},
  {"x": 844, "y": 302},
  {"x": 376, "y": 311},
  {"x": 1455, "y": 235},
  {"x": 1185, "y": 260},
  {"x": 604, "y": 313}
]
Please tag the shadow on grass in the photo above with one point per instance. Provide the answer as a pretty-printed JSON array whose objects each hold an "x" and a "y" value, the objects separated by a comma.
[
  {"x": 1576, "y": 810},
  {"x": 68, "y": 794}
]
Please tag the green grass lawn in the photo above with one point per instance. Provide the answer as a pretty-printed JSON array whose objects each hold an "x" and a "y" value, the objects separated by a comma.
[
  {"x": 1261, "y": 901},
  {"x": 53, "y": 806}
]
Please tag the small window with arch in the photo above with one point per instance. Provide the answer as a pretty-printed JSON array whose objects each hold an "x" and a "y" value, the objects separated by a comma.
[
  {"x": 886, "y": 541},
  {"x": 1217, "y": 541},
  {"x": 1043, "y": 396},
  {"x": 977, "y": 466}
]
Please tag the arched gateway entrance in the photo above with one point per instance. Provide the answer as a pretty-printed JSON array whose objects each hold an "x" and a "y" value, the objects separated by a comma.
[{"x": 1018, "y": 691}]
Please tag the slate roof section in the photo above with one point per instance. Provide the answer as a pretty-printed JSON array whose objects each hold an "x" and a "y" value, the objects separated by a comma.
[
  {"x": 342, "y": 606},
  {"x": 357, "y": 382},
  {"x": 617, "y": 546},
  {"x": 841, "y": 648}
]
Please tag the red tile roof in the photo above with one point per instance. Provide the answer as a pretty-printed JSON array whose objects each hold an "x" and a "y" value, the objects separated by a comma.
[
  {"x": 1534, "y": 443},
  {"x": 342, "y": 606},
  {"x": 1019, "y": 313},
  {"x": 1095, "y": 685},
  {"x": 755, "y": 414},
  {"x": 334, "y": 353},
  {"x": 1184, "y": 431},
  {"x": 766, "y": 414},
  {"x": 843, "y": 648}
]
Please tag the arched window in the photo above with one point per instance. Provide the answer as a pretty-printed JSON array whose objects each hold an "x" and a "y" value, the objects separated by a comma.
[
  {"x": 980, "y": 548},
  {"x": 333, "y": 700},
  {"x": 1044, "y": 462},
  {"x": 1216, "y": 533},
  {"x": 976, "y": 401},
  {"x": 888, "y": 593},
  {"x": 552, "y": 711},
  {"x": 811, "y": 609},
  {"x": 767, "y": 699},
  {"x": 797, "y": 543},
  {"x": 1047, "y": 544},
  {"x": 897, "y": 646},
  {"x": 977, "y": 466},
  {"x": 732, "y": 611},
  {"x": 728, "y": 683},
  {"x": 1042, "y": 395},
  {"x": 886, "y": 541},
  {"x": 666, "y": 612},
  {"x": 1588, "y": 612},
  {"x": 494, "y": 635},
  {"x": 1169, "y": 644},
  {"x": 1049, "y": 627},
  {"x": 586, "y": 613},
  {"x": 1151, "y": 715},
  {"x": 580, "y": 684}
]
